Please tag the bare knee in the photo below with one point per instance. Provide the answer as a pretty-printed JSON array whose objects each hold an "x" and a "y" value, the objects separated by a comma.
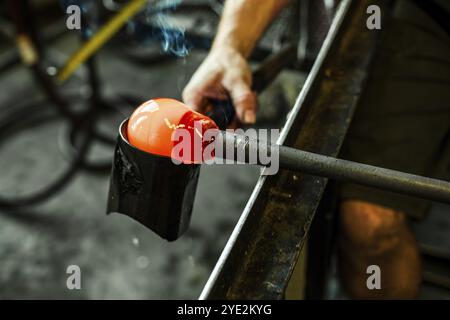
[{"x": 373, "y": 229}]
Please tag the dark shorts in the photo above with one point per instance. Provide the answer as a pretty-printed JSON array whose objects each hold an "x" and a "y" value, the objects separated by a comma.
[{"x": 403, "y": 119}]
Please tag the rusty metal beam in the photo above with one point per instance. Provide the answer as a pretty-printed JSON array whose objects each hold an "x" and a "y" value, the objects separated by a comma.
[{"x": 263, "y": 249}]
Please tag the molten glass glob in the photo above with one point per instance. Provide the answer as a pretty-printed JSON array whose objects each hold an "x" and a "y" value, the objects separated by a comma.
[{"x": 159, "y": 125}]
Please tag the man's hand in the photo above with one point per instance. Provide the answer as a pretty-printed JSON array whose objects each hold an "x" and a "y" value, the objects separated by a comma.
[{"x": 224, "y": 74}]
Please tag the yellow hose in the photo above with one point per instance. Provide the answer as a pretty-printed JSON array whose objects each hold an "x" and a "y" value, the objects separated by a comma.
[{"x": 99, "y": 39}]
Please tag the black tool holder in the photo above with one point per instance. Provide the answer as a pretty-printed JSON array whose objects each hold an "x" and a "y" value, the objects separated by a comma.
[{"x": 152, "y": 189}]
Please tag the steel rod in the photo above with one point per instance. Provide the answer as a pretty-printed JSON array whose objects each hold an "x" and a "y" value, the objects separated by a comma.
[{"x": 339, "y": 169}]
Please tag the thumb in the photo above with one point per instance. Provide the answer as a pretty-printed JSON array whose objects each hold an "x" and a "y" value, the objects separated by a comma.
[
  {"x": 245, "y": 102},
  {"x": 193, "y": 97}
]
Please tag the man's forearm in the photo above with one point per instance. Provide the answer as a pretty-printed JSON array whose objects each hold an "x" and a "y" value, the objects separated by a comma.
[{"x": 244, "y": 21}]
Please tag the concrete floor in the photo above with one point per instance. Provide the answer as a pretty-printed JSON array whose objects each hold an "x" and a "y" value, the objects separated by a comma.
[{"x": 120, "y": 259}]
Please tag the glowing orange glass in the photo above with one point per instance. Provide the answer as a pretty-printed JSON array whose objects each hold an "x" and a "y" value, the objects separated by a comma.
[{"x": 152, "y": 124}]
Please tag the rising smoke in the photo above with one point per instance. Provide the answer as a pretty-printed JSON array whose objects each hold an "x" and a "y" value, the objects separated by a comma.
[
  {"x": 173, "y": 38},
  {"x": 153, "y": 25}
]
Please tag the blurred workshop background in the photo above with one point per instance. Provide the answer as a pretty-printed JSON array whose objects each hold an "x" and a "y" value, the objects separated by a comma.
[{"x": 54, "y": 185}]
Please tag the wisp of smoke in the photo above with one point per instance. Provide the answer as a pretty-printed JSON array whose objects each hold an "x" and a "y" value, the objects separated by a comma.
[
  {"x": 153, "y": 24},
  {"x": 173, "y": 38}
]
